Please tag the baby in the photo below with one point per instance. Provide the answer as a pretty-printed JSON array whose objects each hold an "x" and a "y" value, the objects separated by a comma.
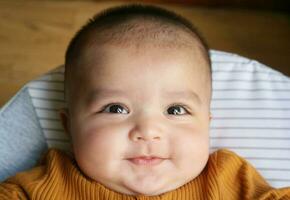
[{"x": 138, "y": 91}]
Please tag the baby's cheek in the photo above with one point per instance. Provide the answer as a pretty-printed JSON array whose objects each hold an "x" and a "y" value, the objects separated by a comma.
[
  {"x": 191, "y": 143},
  {"x": 96, "y": 153},
  {"x": 96, "y": 140},
  {"x": 101, "y": 142}
]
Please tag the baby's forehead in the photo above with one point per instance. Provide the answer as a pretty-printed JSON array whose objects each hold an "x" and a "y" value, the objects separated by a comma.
[
  {"x": 99, "y": 57},
  {"x": 184, "y": 44},
  {"x": 102, "y": 56}
]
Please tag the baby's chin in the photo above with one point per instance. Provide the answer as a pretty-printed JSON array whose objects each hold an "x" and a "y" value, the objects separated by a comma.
[{"x": 151, "y": 187}]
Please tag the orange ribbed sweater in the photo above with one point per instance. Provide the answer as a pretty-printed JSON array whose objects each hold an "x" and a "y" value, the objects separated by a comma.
[{"x": 226, "y": 176}]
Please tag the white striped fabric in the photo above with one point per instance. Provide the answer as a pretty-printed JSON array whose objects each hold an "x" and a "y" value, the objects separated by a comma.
[{"x": 250, "y": 109}]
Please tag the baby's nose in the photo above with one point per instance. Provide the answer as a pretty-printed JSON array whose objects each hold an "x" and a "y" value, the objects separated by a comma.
[{"x": 146, "y": 130}]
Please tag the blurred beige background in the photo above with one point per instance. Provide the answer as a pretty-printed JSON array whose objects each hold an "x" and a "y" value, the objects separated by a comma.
[{"x": 34, "y": 35}]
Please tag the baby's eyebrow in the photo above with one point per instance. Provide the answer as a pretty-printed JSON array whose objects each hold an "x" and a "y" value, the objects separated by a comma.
[
  {"x": 106, "y": 93},
  {"x": 188, "y": 94}
]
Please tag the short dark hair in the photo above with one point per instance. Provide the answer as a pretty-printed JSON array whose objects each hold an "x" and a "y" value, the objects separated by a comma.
[
  {"x": 120, "y": 14},
  {"x": 114, "y": 23}
]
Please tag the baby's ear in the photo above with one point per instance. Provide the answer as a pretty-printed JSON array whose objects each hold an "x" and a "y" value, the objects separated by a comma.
[{"x": 64, "y": 116}]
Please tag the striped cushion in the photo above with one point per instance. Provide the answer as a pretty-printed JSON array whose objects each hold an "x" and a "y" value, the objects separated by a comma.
[{"x": 250, "y": 109}]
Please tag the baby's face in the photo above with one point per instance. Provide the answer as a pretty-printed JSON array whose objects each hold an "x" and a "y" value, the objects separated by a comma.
[{"x": 140, "y": 121}]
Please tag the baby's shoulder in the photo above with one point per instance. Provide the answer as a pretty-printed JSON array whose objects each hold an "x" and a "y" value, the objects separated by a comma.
[{"x": 225, "y": 158}]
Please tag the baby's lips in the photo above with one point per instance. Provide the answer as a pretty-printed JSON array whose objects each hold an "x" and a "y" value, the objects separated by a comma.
[{"x": 146, "y": 160}]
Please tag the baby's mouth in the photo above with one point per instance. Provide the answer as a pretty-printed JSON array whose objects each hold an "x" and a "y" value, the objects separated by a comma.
[{"x": 146, "y": 160}]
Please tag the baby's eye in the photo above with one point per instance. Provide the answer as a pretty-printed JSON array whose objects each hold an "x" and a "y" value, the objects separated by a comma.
[
  {"x": 114, "y": 108},
  {"x": 177, "y": 110}
]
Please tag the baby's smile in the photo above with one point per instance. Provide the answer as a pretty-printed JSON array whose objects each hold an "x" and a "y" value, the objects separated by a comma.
[{"x": 146, "y": 160}]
